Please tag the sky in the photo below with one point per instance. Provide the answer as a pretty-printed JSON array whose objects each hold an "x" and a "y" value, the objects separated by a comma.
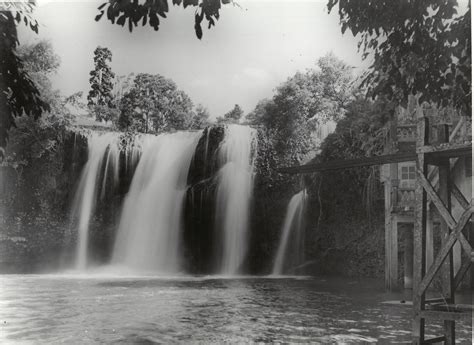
[{"x": 251, "y": 50}]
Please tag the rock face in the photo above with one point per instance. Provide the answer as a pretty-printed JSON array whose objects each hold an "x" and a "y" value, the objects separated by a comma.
[
  {"x": 199, "y": 236},
  {"x": 34, "y": 207}
]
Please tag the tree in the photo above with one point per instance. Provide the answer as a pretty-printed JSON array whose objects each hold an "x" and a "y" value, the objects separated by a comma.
[
  {"x": 301, "y": 104},
  {"x": 43, "y": 138},
  {"x": 154, "y": 104},
  {"x": 232, "y": 116},
  {"x": 201, "y": 118},
  {"x": 18, "y": 93},
  {"x": 122, "y": 85},
  {"x": 133, "y": 12},
  {"x": 39, "y": 57},
  {"x": 418, "y": 47},
  {"x": 101, "y": 80},
  {"x": 40, "y": 62},
  {"x": 256, "y": 116}
]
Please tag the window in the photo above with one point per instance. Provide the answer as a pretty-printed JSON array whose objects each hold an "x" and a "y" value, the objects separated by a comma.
[{"x": 408, "y": 173}]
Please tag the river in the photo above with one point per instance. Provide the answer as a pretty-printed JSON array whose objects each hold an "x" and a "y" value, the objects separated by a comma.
[{"x": 98, "y": 309}]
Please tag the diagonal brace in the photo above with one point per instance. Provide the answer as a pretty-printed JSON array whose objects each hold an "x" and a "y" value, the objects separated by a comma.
[
  {"x": 443, "y": 211},
  {"x": 450, "y": 240}
]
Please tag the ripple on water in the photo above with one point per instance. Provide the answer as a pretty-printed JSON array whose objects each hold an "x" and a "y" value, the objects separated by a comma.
[{"x": 148, "y": 310}]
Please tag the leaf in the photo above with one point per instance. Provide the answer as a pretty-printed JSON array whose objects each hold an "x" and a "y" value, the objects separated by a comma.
[
  {"x": 97, "y": 17},
  {"x": 121, "y": 20},
  {"x": 187, "y": 3},
  {"x": 154, "y": 20},
  {"x": 211, "y": 22}
]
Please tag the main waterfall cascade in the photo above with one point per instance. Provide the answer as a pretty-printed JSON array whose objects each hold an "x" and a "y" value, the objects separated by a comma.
[
  {"x": 236, "y": 155},
  {"x": 150, "y": 226},
  {"x": 291, "y": 226},
  {"x": 103, "y": 148},
  {"x": 148, "y": 176}
]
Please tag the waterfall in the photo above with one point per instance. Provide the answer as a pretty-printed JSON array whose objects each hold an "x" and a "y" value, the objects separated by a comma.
[
  {"x": 293, "y": 221},
  {"x": 236, "y": 156},
  {"x": 149, "y": 233},
  {"x": 102, "y": 147}
]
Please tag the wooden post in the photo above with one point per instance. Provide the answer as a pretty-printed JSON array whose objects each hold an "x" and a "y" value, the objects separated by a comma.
[
  {"x": 388, "y": 228},
  {"x": 447, "y": 270},
  {"x": 419, "y": 231},
  {"x": 429, "y": 238},
  {"x": 471, "y": 241}
]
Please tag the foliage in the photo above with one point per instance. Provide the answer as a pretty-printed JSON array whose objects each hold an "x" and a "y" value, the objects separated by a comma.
[
  {"x": 37, "y": 152},
  {"x": 344, "y": 230},
  {"x": 300, "y": 104},
  {"x": 232, "y": 116},
  {"x": 200, "y": 119},
  {"x": 154, "y": 104},
  {"x": 362, "y": 131},
  {"x": 101, "y": 80},
  {"x": 42, "y": 138},
  {"x": 133, "y": 12},
  {"x": 401, "y": 35},
  {"x": 18, "y": 93},
  {"x": 122, "y": 85},
  {"x": 39, "y": 57}
]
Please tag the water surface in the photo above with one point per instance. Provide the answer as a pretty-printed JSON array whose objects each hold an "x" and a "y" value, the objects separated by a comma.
[{"x": 51, "y": 309}]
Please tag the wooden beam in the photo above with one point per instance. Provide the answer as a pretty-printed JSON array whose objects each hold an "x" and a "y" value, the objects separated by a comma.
[
  {"x": 459, "y": 150},
  {"x": 435, "y": 199},
  {"x": 466, "y": 246},
  {"x": 419, "y": 233},
  {"x": 447, "y": 267},
  {"x": 466, "y": 264},
  {"x": 459, "y": 196},
  {"x": 445, "y": 315},
  {"x": 446, "y": 150},
  {"x": 445, "y": 250},
  {"x": 349, "y": 163},
  {"x": 435, "y": 340},
  {"x": 444, "y": 212}
]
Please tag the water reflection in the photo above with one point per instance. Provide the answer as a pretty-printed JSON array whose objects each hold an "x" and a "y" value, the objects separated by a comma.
[{"x": 55, "y": 309}]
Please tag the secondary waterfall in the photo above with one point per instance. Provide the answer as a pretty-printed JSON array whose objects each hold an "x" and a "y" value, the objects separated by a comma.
[
  {"x": 293, "y": 222},
  {"x": 102, "y": 149},
  {"x": 236, "y": 155},
  {"x": 148, "y": 237}
]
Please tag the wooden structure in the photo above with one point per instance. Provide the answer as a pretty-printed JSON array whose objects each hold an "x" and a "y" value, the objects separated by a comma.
[
  {"x": 399, "y": 178},
  {"x": 441, "y": 154},
  {"x": 421, "y": 176}
]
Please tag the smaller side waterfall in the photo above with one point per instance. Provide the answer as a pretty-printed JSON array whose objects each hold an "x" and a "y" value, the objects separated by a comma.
[
  {"x": 293, "y": 223},
  {"x": 103, "y": 149}
]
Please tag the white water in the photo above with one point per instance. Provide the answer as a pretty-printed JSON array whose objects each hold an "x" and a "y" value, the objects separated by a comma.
[
  {"x": 233, "y": 196},
  {"x": 102, "y": 147},
  {"x": 148, "y": 238},
  {"x": 293, "y": 221}
]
